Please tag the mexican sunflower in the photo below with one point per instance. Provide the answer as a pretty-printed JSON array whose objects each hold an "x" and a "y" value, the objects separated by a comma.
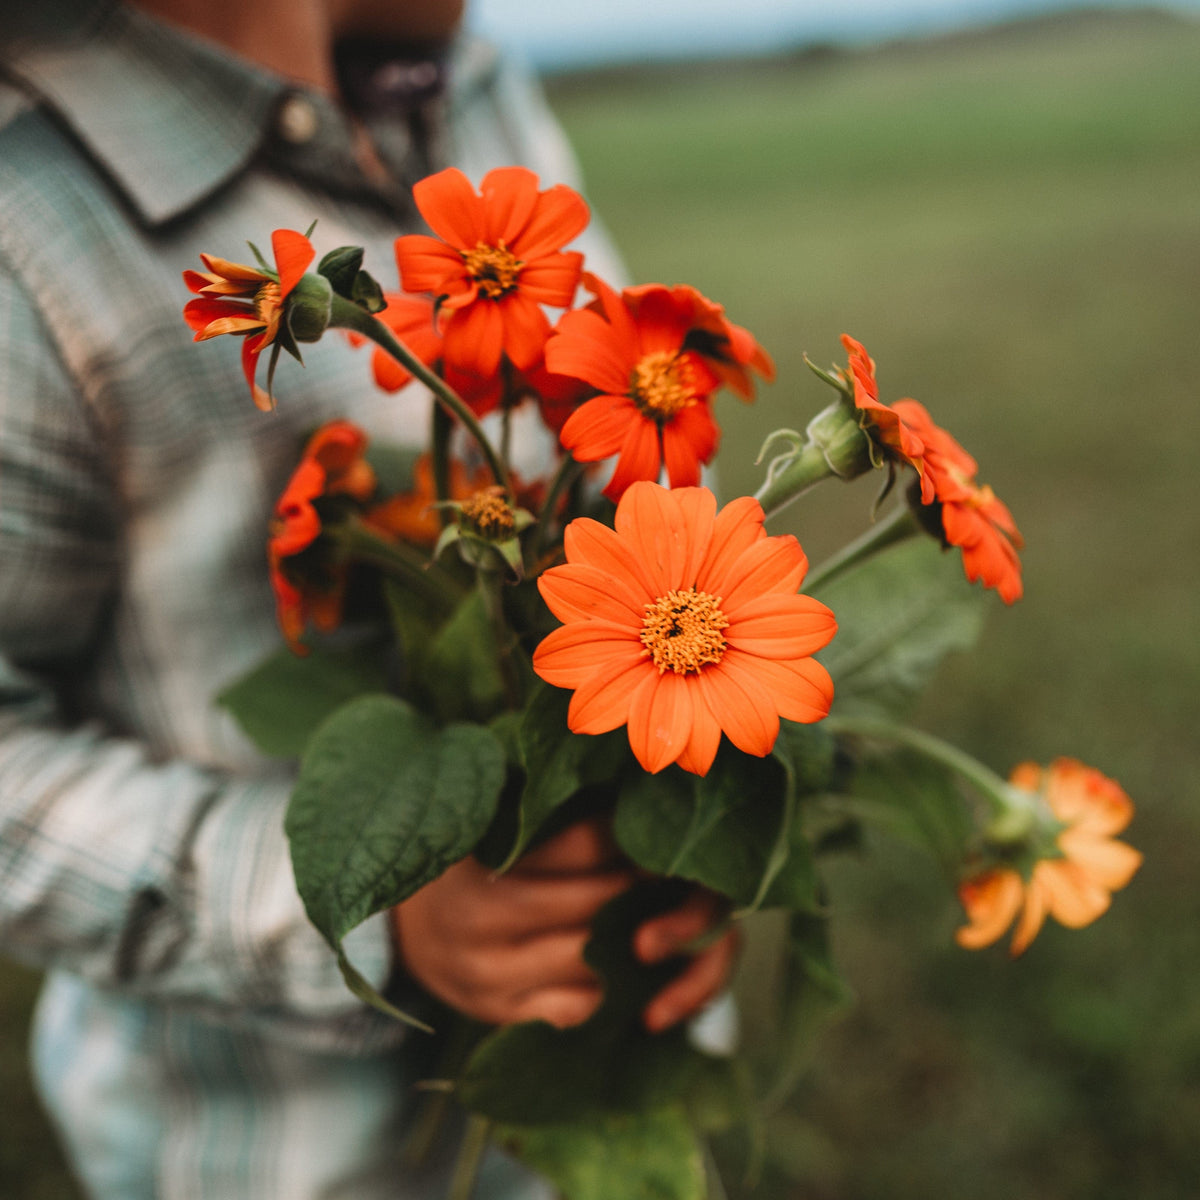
[
  {"x": 497, "y": 258},
  {"x": 309, "y": 587},
  {"x": 656, "y": 355},
  {"x": 888, "y": 429},
  {"x": 1074, "y": 888},
  {"x": 971, "y": 517},
  {"x": 246, "y": 300},
  {"x": 683, "y": 623}
]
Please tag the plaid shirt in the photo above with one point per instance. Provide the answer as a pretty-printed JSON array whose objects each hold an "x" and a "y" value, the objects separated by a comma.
[{"x": 195, "y": 1039}]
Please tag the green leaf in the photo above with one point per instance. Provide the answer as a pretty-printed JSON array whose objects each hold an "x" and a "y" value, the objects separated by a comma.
[
  {"x": 558, "y": 763},
  {"x": 462, "y": 672},
  {"x": 730, "y": 830},
  {"x": 533, "y": 1073},
  {"x": 642, "y": 1156},
  {"x": 899, "y": 615},
  {"x": 812, "y": 994},
  {"x": 383, "y": 804},
  {"x": 915, "y": 797},
  {"x": 282, "y": 701}
]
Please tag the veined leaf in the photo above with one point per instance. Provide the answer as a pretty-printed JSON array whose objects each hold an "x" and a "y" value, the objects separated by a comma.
[{"x": 899, "y": 615}]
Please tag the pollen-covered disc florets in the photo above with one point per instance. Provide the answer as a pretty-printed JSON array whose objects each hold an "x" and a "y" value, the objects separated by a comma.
[{"x": 682, "y": 630}]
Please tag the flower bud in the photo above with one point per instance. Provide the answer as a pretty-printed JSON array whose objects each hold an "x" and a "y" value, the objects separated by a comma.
[{"x": 308, "y": 308}]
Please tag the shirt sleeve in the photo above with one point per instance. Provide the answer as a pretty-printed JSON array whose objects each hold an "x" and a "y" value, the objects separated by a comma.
[{"x": 165, "y": 879}]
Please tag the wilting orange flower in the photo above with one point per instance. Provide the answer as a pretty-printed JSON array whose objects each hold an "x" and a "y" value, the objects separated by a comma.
[
  {"x": 972, "y": 518},
  {"x": 497, "y": 258},
  {"x": 1075, "y": 888},
  {"x": 248, "y": 301},
  {"x": 683, "y": 623},
  {"x": 311, "y": 588},
  {"x": 894, "y": 436},
  {"x": 656, "y": 355}
]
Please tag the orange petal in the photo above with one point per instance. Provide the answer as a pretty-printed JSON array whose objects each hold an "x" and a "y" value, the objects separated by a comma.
[
  {"x": 580, "y": 591},
  {"x": 1073, "y": 897},
  {"x": 775, "y": 564},
  {"x": 525, "y": 329},
  {"x": 991, "y": 901},
  {"x": 780, "y": 625},
  {"x": 1109, "y": 863},
  {"x": 602, "y": 703},
  {"x": 596, "y": 429},
  {"x": 702, "y": 746},
  {"x": 652, "y": 521},
  {"x": 742, "y": 706},
  {"x": 293, "y": 252},
  {"x": 1032, "y": 917},
  {"x": 738, "y": 526},
  {"x": 801, "y": 689},
  {"x": 232, "y": 270},
  {"x": 552, "y": 279},
  {"x": 475, "y": 338},
  {"x": 639, "y": 459},
  {"x": 451, "y": 208},
  {"x": 585, "y": 347},
  {"x": 660, "y": 719},
  {"x": 559, "y": 216},
  {"x": 585, "y": 540},
  {"x": 568, "y": 656},
  {"x": 509, "y": 197},
  {"x": 689, "y": 440},
  {"x": 427, "y": 265}
]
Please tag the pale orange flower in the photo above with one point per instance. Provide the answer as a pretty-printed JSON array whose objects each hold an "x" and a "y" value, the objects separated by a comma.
[
  {"x": 248, "y": 301},
  {"x": 683, "y": 623},
  {"x": 1074, "y": 888}
]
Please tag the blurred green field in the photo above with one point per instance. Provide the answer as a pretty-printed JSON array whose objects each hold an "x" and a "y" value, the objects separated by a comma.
[{"x": 1011, "y": 223}]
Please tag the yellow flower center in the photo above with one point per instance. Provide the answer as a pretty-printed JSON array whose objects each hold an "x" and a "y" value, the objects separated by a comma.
[
  {"x": 662, "y": 384},
  {"x": 488, "y": 512},
  {"x": 682, "y": 631},
  {"x": 493, "y": 268}
]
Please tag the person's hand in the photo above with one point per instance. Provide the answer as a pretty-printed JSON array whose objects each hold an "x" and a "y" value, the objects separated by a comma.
[{"x": 508, "y": 948}]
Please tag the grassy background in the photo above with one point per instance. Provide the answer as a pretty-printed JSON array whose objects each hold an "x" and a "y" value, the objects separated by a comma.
[{"x": 1011, "y": 223}]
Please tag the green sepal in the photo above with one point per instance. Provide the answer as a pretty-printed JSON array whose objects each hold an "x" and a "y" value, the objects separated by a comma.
[
  {"x": 308, "y": 308},
  {"x": 340, "y": 266},
  {"x": 383, "y": 804},
  {"x": 282, "y": 701}
]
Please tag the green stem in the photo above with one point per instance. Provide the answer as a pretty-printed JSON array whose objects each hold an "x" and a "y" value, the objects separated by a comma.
[
  {"x": 897, "y": 526},
  {"x": 418, "y": 572},
  {"x": 345, "y": 314},
  {"x": 441, "y": 426},
  {"x": 470, "y": 1155},
  {"x": 490, "y": 583},
  {"x": 807, "y": 468},
  {"x": 995, "y": 790},
  {"x": 568, "y": 471}
]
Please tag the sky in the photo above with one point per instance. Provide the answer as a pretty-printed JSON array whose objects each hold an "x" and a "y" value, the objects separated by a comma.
[{"x": 560, "y": 34}]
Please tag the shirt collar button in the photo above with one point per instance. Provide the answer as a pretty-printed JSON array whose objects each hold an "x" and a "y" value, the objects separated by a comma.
[{"x": 297, "y": 120}]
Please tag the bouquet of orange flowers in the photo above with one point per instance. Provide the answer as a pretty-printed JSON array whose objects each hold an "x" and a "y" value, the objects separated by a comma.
[{"x": 606, "y": 638}]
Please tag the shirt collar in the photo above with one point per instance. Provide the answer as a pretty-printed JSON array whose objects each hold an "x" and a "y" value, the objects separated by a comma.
[{"x": 169, "y": 117}]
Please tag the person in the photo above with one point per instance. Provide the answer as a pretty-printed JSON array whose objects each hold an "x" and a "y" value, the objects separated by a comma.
[{"x": 194, "y": 1038}]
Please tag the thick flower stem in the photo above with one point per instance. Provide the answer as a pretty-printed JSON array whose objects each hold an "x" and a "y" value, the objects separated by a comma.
[
  {"x": 807, "y": 468},
  {"x": 490, "y": 583},
  {"x": 897, "y": 526},
  {"x": 401, "y": 561},
  {"x": 470, "y": 1155},
  {"x": 1008, "y": 803},
  {"x": 442, "y": 426},
  {"x": 345, "y": 314}
]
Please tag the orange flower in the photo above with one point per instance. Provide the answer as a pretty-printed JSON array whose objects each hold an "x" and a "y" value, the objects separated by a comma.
[
  {"x": 496, "y": 259},
  {"x": 308, "y": 586},
  {"x": 894, "y": 436},
  {"x": 244, "y": 300},
  {"x": 656, "y": 355},
  {"x": 683, "y": 623},
  {"x": 1074, "y": 888},
  {"x": 971, "y": 517}
]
